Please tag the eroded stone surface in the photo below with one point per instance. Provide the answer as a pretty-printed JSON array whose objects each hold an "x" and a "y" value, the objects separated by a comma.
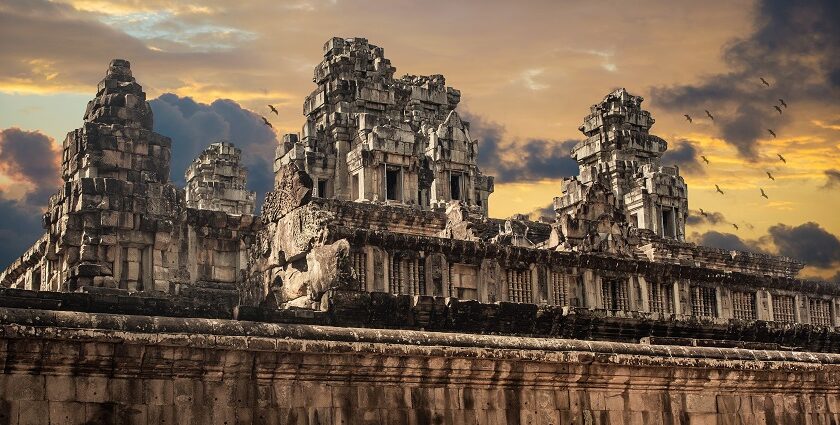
[{"x": 217, "y": 181}]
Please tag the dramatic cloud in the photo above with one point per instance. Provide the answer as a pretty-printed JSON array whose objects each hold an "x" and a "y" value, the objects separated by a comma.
[
  {"x": 726, "y": 241},
  {"x": 517, "y": 160},
  {"x": 30, "y": 157},
  {"x": 832, "y": 179},
  {"x": 546, "y": 211},
  {"x": 193, "y": 126},
  {"x": 685, "y": 155},
  {"x": 808, "y": 243},
  {"x": 792, "y": 48},
  {"x": 711, "y": 217}
]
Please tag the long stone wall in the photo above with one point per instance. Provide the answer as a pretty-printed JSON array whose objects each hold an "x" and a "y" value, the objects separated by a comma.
[{"x": 71, "y": 367}]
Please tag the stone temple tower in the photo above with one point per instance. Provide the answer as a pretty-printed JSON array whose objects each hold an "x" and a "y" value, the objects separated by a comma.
[
  {"x": 620, "y": 153},
  {"x": 371, "y": 137},
  {"x": 216, "y": 181},
  {"x": 111, "y": 224}
]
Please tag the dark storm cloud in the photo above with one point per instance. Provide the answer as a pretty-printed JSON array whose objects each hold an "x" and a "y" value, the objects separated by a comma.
[
  {"x": 193, "y": 126},
  {"x": 747, "y": 125},
  {"x": 685, "y": 156},
  {"x": 25, "y": 157},
  {"x": 519, "y": 161},
  {"x": 808, "y": 243},
  {"x": 832, "y": 177},
  {"x": 711, "y": 217},
  {"x": 793, "y": 47},
  {"x": 19, "y": 228},
  {"x": 726, "y": 241},
  {"x": 30, "y": 156}
]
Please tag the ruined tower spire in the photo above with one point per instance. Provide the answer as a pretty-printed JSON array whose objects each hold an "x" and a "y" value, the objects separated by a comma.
[{"x": 620, "y": 153}]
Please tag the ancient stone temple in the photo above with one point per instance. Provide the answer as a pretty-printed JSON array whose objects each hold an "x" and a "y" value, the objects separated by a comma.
[
  {"x": 620, "y": 153},
  {"x": 374, "y": 288},
  {"x": 119, "y": 223},
  {"x": 371, "y": 137},
  {"x": 216, "y": 181}
]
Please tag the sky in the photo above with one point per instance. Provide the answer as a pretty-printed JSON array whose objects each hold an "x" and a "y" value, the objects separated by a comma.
[{"x": 528, "y": 72}]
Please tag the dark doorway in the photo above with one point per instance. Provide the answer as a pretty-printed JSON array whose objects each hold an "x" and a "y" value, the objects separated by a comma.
[
  {"x": 455, "y": 186},
  {"x": 322, "y": 188},
  {"x": 392, "y": 184}
]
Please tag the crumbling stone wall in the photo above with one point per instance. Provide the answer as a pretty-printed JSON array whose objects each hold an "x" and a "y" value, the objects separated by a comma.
[{"x": 466, "y": 259}]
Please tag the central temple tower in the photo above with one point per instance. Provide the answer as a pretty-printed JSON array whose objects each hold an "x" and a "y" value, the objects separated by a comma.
[{"x": 371, "y": 137}]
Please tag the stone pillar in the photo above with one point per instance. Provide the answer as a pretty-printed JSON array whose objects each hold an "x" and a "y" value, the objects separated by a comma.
[
  {"x": 724, "y": 302},
  {"x": 644, "y": 302},
  {"x": 488, "y": 288},
  {"x": 763, "y": 305},
  {"x": 801, "y": 309}
]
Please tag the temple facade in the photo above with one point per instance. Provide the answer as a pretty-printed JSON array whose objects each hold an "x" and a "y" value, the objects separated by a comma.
[
  {"x": 373, "y": 287},
  {"x": 380, "y": 193}
]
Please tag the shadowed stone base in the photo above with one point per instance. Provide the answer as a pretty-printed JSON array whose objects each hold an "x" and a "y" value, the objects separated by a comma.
[{"x": 70, "y": 367}]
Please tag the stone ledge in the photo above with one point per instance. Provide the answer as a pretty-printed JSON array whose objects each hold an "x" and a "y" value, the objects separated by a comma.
[{"x": 168, "y": 331}]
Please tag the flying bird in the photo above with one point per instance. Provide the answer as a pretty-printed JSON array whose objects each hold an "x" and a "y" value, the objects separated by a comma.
[
  {"x": 763, "y": 194},
  {"x": 782, "y": 101},
  {"x": 772, "y": 132},
  {"x": 709, "y": 114},
  {"x": 273, "y": 109},
  {"x": 704, "y": 158},
  {"x": 763, "y": 81},
  {"x": 770, "y": 176},
  {"x": 717, "y": 188},
  {"x": 703, "y": 213},
  {"x": 266, "y": 122},
  {"x": 778, "y": 108},
  {"x": 735, "y": 226},
  {"x": 688, "y": 117},
  {"x": 782, "y": 158}
]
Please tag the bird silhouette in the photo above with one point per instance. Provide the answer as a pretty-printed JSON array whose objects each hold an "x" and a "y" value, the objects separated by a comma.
[
  {"x": 770, "y": 176},
  {"x": 704, "y": 158},
  {"x": 763, "y": 81},
  {"x": 709, "y": 114},
  {"x": 265, "y": 121},
  {"x": 763, "y": 194},
  {"x": 782, "y": 158},
  {"x": 688, "y": 117},
  {"x": 717, "y": 188},
  {"x": 782, "y": 101},
  {"x": 772, "y": 132},
  {"x": 703, "y": 213},
  {"x": 778, "y": 108},
  {"x": 735, "y": 226},
  {"x": 273, "y": 109}
]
